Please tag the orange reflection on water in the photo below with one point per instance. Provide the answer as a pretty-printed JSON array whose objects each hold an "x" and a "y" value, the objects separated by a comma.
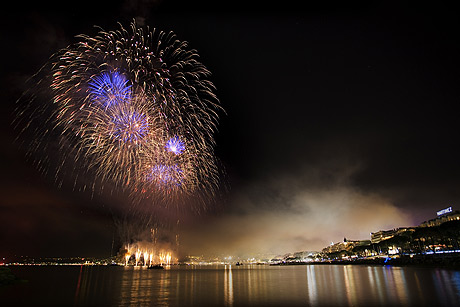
[
  {"x": 312, "y": 285},
  {"x": 228, "y": 286}
]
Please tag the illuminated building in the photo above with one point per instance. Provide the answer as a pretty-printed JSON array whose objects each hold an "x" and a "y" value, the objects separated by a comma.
[
  {"x": 443, "y": 216},
  {"x": 379, "y": 236},
  {"x": 345, "y": 245}
]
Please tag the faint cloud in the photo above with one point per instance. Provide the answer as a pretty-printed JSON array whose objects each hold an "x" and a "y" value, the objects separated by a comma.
[{"x": 288, "y": 215}]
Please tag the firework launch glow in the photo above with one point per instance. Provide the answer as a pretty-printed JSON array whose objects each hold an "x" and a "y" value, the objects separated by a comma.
[
  {"x": 147, "y": 254},
  {"x": 136, "y": 108}
]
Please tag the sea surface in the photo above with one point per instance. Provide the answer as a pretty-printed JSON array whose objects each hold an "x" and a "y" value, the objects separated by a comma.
[{"x": 230, "y": 285}]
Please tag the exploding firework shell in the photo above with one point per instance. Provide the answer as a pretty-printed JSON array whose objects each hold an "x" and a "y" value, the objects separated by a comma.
[{"x": 137, "y": 108}]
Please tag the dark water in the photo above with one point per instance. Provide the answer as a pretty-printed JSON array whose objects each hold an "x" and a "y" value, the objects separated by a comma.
[{"x": 255, "y": 285}]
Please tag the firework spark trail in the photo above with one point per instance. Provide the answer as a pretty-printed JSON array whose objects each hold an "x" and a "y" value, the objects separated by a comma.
[{"x": 135, "y": 107}]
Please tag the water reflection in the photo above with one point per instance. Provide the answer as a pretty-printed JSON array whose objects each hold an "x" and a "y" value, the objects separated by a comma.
[
  {"x": 228, "y": 286},
  {"x": 456, "y": 281},
  {"x": 312, "y": 285}
]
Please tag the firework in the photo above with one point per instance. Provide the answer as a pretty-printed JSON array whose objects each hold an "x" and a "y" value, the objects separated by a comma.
[
  {"x": 147, "y": 254},
  {"x": 136, "y": 109}
]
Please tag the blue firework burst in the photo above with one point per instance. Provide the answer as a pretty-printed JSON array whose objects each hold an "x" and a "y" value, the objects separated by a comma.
[
  {"x": 110, "y": 88},
  {"x": 130, "y": 127},
  {"x": 175, "y": 145},
  {"x": 166, "y": 175}
]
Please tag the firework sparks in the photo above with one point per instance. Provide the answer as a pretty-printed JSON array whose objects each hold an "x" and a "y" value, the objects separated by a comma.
[
  {"x": 109, "y": 88},
  {"x": 166, "y": 175},
  {"x": 136, "y": 108},
  {"x": 147, "y": 254},
  {"x": 175, "y": 145}
]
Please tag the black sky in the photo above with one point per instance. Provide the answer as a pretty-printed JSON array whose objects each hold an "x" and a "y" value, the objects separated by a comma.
[{"x": 319, "y": 99}]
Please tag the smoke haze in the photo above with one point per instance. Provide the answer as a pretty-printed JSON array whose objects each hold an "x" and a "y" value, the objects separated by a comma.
[{"x": 283, "y": 215}]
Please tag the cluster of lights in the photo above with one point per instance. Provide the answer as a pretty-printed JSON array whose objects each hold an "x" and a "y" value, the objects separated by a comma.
[{"x": 147, "y": 256}]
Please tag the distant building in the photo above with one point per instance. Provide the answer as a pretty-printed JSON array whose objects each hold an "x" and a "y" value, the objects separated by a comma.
[
  {"x": 379, "y": 236},
  {"x": 305, "y": 256},
  {"x": 347, "y": 245},
  {"x": 443, "y": 216}
]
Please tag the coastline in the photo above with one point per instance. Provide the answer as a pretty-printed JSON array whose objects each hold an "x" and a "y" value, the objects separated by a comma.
[{"x": 434, "y": 260}]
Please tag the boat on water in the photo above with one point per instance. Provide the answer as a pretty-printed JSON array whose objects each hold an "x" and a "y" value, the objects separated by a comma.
[{"x": 156, "y": 267}]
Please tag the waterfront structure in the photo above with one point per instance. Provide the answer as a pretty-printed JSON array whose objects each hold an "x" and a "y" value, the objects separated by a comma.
[
  {"x": 305, "y": 256},
  {"x": 443, "y": 216},
  {"x": 346, "y": 245},
  {"x": 428, "y": 237},
  {"x": 379, "y": 236}
]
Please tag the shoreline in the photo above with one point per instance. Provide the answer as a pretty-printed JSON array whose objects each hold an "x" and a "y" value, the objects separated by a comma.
[{"x": 435, "y": 260}]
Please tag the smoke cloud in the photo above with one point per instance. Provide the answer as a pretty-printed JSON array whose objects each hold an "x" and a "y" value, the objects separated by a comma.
[{"x": 290, "y": 214}]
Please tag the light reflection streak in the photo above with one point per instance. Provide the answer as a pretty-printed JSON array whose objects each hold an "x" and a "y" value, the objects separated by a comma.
[
  {"x": 165, "y": 291},
  {"x": 135, "y": 285},
  {"x": 192, "y": 285},
  {"x": 258, "y": 288},
  {"x": 125, "y": 283},
  {"x": 440, "y": 279},
  {"x": 338, "y": 281},
  {"x": 378, "y": 275},
  {"x": 250, "y": 281},
  {"x": 400, "y": 285},
  {"x": 77, "y": 291},
  {"x": 86, "y": 283},
  {"x": 456, "y": 281},
  {"x": 311, "y": 286},
  {"x": 147, "y": 289},
  {"x": 370, "y": 275},
  {"x": 388, "y": 281},
  {"x": 419, "y": 288},
  {"x": 228, "y": 286},
  {"x": 437, "y": 280},
  {"x": 350, "y": 285}
]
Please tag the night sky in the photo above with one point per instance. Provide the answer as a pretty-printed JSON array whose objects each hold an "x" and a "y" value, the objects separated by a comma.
[{"x": 340, "y": 120}]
